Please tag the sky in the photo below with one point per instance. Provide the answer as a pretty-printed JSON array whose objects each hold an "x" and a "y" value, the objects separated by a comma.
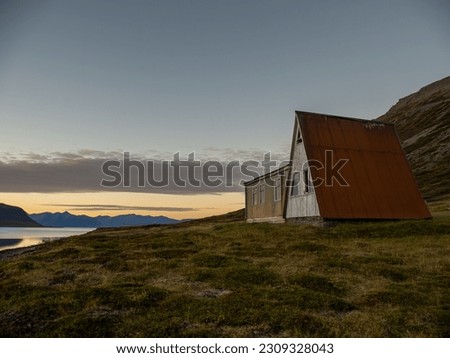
[{"x": 82, "y": 82}]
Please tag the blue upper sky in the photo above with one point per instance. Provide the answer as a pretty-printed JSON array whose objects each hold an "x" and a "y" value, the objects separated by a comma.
[{"x": 167, "y": 76}]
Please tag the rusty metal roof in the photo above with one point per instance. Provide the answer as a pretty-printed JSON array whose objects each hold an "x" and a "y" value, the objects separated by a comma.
[{"x": 380, "y": 182}]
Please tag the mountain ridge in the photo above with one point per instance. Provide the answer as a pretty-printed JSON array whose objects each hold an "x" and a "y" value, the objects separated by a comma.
[
  {"x": 13, "y": 216},
  {"x": 66, "y": 219}
]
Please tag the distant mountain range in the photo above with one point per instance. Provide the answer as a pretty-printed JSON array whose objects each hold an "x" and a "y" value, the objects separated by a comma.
[
  {"x": 67, "y": 219},
  {"x": 15, "y": 217},
  {"x": 422, "y": 121}
]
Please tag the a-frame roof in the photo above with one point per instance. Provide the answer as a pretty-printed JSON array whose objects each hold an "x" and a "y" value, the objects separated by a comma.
[{"x": 380, "y": 181}]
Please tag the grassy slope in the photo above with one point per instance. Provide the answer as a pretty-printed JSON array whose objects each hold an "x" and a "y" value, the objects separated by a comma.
[{"x": 226, "y": 278}]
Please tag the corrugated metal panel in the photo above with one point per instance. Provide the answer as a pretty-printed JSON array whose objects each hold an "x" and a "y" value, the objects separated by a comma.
[{"x": 380, "y": 181}]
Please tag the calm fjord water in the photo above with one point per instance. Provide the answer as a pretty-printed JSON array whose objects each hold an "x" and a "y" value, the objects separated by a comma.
[{"x": 17, "y": 237}]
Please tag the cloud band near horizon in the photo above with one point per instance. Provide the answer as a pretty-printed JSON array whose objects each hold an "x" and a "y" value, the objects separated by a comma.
[
  {"x": 82, "y": 172},
  {"x": 101, "y": 207}
]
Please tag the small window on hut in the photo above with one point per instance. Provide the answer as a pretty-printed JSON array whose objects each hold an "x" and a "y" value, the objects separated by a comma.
[
  {"x": 306, "y": 182},
  {"x": 262, "y": 192},
  {"x": 295, "y": 184},
  {"x": 299, "y": 136},
  {"x": 255, "y": 195},
  {"x": 277, "y": 190}
]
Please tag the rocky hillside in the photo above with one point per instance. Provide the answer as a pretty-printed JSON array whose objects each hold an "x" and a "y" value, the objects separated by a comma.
[
  {"x": 422, "y": 120},
  {"x": 15, "y": 217}
]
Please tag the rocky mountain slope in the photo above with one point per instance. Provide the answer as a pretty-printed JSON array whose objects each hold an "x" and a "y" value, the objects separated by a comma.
[
  {"x": 422, "y": 121},
  {"x": 15, "y": 217}
]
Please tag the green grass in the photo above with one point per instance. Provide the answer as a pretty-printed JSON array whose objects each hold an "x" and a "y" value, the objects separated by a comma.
[{"x": 226, "y": 278}]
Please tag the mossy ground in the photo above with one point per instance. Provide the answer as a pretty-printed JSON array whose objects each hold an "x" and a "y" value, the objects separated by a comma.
[{"x": 225, "y": 278}]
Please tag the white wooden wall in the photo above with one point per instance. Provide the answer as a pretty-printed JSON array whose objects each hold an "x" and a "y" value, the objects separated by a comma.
[{"x": 303, "y": 205}]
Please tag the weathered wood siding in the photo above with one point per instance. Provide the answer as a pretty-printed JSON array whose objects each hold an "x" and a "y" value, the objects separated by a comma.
[
  {"x": 304, "y": 204},
  {"x": 269, "y": 210}
]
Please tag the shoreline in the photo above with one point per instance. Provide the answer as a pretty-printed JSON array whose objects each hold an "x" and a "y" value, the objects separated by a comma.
[
  {"x": 17, "y": 251},
  {"x": 8, "y": 253}
]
